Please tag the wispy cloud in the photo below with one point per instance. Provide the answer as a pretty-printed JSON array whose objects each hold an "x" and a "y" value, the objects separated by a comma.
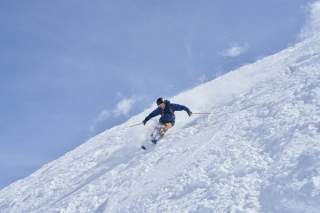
[
  {"x": 202, "y": 78},
  {"x": 189, "y": 57},
  {"x": 122, "y": 108},
  {"x": 189, "y": 50},
  {"x": 104, "y": 115},
  {"x": 312, "y": 25},
  {"x": 235, "y": 50}
]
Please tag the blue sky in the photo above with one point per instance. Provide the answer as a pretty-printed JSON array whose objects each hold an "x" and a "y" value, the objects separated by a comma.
[{"x": 71, "y": 69}]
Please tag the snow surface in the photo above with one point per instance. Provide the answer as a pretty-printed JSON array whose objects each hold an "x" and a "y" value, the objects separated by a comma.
[{"x": 258, "y": 151}]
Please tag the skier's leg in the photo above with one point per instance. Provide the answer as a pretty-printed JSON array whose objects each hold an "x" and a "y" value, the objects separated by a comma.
[
  {"x": 165, "y": 128},
  {"x": 156, "y": 130},
  {"x": 160, "y": 130},
  {"x": 155, "y": 136}
]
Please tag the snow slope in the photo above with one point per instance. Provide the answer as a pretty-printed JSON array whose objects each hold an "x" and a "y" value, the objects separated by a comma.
[{"x": 258, "y": 151}]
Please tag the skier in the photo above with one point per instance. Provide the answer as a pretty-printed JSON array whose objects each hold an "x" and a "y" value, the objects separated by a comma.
[{"x": 167, "y": 119}]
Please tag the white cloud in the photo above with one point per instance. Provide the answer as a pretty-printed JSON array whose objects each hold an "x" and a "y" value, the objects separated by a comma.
[
  {"x": 104, "y": 114},
  {"x": 312, "y": 26},
  {"x": 122, "y": 108},
  {"x": 235, "y": 50}
]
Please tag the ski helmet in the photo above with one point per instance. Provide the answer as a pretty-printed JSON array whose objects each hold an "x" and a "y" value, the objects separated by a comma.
[{"x": 160, "y": 101}]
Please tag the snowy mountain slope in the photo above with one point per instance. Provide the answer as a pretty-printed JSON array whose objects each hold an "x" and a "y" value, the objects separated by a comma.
[{"x": 258, "y": 151}]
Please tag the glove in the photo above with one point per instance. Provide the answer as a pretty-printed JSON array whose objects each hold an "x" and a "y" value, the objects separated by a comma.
[
  {"x": 189, "y": 113},
  {"x": 144, "y": 122}
]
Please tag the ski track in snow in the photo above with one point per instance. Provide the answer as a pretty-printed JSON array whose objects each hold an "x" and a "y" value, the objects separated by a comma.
[{"x": 258, "y": 151}]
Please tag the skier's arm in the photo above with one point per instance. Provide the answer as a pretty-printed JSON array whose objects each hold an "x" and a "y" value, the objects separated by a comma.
[
  {"x": 154, "y": 113},
  {"x": 178, "y": 107}
]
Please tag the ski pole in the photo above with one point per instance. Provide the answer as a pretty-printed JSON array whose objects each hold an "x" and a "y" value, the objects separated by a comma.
[
  {"x": 137, "y": 124},
  {"x": 201, "y": 113}
]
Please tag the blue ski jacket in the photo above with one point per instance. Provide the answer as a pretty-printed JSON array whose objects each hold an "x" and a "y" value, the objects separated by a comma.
[{"x": 167, "y": 114}]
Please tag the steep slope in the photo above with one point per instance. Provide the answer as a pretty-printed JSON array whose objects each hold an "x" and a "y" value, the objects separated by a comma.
[{"x": 258, "y": 151}]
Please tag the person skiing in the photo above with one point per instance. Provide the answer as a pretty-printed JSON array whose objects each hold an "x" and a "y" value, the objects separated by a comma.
[{"x": 167, "y": 119}]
